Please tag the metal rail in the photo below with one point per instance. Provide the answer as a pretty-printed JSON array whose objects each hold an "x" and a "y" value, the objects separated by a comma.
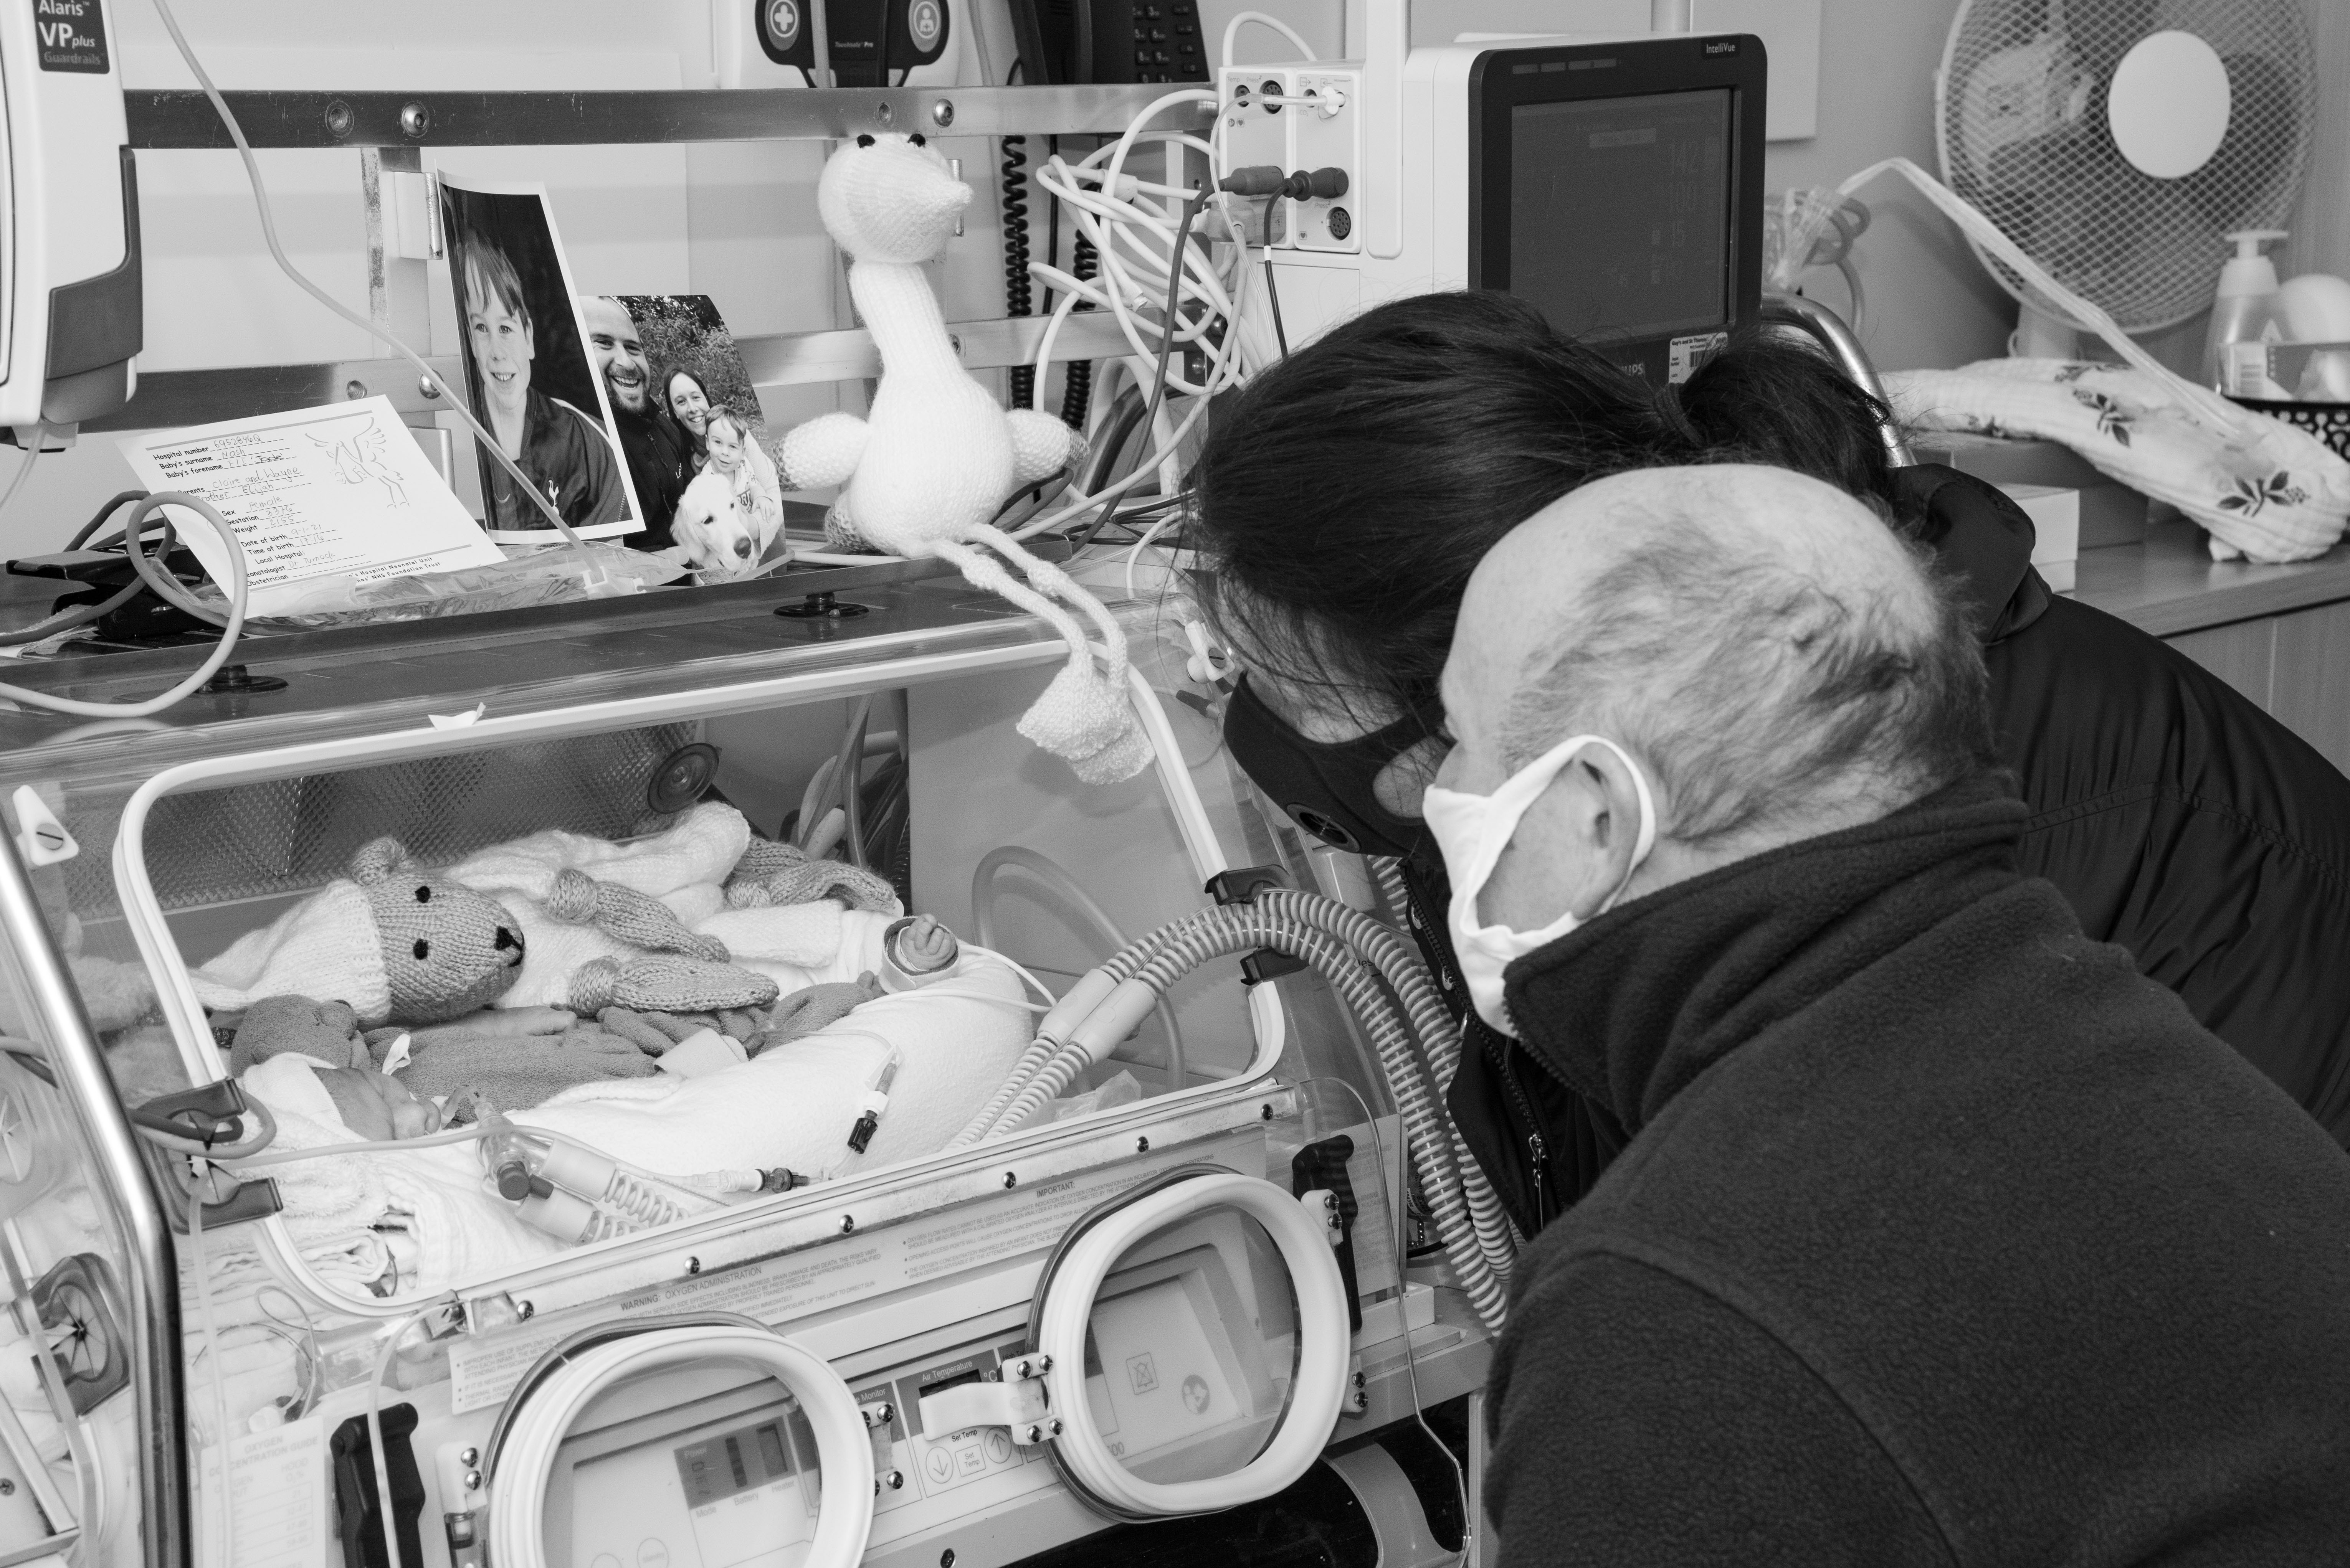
[
  {"x": 1828, "y": 329},
  {"x": 169, "y": 397},
  {"x": 186, "y": 119},
  {"x": 150, "y": 1265}
]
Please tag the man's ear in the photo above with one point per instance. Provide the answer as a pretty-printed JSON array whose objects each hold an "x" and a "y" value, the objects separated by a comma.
[{"x": 1603, "y": 815}]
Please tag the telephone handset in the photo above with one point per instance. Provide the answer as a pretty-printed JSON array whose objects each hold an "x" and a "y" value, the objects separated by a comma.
[{"x": 1063, "y": 41}]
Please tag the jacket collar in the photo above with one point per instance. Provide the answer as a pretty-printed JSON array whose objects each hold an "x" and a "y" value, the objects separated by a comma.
[
  {"x": 1982, "y": 538},
  {"x": 1633, "y": 1006}
]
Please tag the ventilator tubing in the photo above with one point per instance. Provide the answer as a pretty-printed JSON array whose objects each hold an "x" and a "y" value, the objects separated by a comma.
[{"x": 1417, "y": 1045}]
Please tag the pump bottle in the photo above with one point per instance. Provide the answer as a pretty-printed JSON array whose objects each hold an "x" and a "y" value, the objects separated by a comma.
[{"x": 2244, "y": 320}]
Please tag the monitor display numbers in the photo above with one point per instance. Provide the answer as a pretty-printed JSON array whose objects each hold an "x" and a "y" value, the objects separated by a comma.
[
  {"x": 1620, "y": 212},
  {"x": 719, "y": 1467}
]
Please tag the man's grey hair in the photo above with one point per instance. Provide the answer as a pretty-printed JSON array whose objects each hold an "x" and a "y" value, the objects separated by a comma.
[{"x": 1750, "y": 691}]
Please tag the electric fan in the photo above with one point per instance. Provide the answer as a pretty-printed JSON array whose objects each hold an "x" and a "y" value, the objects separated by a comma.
[{"x": 2118, "y": 143}]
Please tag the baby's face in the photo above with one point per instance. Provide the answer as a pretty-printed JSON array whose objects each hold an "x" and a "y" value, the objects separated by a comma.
[
  {"x": 725, "y": 447},
  {"x": 378, "y": 1107}
]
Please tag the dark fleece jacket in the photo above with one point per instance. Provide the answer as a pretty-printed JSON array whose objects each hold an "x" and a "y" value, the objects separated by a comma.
[{"x": 1943, "y": 1236}]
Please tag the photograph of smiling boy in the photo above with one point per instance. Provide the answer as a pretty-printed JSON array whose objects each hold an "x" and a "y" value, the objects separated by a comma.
[{"x": 527, "y": 370}]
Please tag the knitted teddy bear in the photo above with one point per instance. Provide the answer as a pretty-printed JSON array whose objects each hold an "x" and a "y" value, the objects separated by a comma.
[
  {"x": 399, "y": 944},
  {"x": 934, "y": 461}
]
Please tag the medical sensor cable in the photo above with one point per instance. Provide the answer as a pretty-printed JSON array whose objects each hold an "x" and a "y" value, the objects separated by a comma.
[{"x": 232, "y": 624}]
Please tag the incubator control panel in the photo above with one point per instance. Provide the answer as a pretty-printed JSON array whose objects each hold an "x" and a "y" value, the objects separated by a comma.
[{"x": 1186, "y": 1374}]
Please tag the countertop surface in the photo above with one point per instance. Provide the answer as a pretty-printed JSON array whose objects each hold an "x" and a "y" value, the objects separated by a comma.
[{"x": 2170, "y": 583}]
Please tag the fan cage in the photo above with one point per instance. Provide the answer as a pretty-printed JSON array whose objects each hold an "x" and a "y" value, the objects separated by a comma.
[{"x": 2020, "y": 129}]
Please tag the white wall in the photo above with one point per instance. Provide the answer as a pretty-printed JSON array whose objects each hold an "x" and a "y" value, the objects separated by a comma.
[
  {"x": 1929, "y": 302},
  {"x": 2322, "y": 235}
]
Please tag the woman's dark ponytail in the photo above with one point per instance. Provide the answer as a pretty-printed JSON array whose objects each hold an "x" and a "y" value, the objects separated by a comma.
[{"x": 1773, "y": 398}]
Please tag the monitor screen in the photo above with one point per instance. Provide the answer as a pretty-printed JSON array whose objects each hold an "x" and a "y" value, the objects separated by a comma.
[{"x": 1620, "y": 212}]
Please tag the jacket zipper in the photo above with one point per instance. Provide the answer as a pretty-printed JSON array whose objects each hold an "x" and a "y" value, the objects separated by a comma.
[{"x": 1536, "y": 1151}]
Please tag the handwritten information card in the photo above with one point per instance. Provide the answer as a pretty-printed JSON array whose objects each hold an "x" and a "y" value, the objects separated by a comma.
[{"x": 337, "y": 492}]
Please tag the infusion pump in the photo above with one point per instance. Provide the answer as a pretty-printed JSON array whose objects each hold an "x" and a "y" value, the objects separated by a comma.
[
  {"x": 1617, "y": 182},
  {"x": 70, "y": 319}
]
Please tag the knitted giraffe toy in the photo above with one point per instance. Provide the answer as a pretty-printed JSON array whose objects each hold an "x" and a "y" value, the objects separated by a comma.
[{"x": 927, "y": 470}]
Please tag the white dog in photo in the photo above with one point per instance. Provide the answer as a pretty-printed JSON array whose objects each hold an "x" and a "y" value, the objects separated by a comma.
[{"x": 714, "y": 532}]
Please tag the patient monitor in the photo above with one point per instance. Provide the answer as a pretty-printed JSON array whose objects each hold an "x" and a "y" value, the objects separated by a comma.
[
  {"x": 1616, "y": 182},
  {"x": 69, "y": 290}
]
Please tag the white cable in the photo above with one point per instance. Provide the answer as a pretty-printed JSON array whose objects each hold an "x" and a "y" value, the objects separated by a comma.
[
  {"x": 1323, "y": 1346},
  {"x": 1232, "y": 28},
  {"x": 1388, "y": 1202},
  {"x": 844, "y": 1451},
  {"x": 203, "y": 672},
  {"x": 24, "y": 471},
  {"x": 1038, "y": 986},
  {"x": 1134, "y": 235},
  {"x": 301, "y": 281}
]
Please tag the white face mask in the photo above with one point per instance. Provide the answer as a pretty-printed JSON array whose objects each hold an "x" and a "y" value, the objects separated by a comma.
[{"x": 1472, "y": 831}]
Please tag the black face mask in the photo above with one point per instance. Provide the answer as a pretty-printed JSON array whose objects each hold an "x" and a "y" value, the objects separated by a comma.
[{"x": 1326, "y": 787}]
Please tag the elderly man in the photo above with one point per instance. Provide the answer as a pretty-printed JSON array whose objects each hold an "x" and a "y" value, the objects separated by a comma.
[{"x": 1943, "y": 1236}]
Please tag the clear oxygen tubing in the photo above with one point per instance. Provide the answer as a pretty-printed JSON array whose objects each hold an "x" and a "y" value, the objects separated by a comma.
[
  {"x": 1174, "y": 951},
  {"x": 1057, "y": 877},
  {"x": 284, "y": 264},
  {"x": 843, "y": 1448}
]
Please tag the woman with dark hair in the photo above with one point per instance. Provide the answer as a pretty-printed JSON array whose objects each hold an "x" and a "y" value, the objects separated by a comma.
[
  {"x": 686, "y": 400},
  {"x": 1347, "y": 494}
]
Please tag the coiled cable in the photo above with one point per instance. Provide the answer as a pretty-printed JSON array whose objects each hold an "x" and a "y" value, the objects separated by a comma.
[
  {"x": 1078, "y": 376},
  {"x": 1018, "y": 298}
]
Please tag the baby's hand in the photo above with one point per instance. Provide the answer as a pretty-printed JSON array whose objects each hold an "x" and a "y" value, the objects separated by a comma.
[
  {"x": 923, "y": 946},
  {"x": 378, "y": 1107}
]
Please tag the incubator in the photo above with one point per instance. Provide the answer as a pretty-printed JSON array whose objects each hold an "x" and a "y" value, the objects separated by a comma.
[{"x": 1118, "y": 1239}]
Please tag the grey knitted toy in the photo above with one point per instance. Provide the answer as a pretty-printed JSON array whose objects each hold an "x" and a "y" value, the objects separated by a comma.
[
  {"x": 770, "y": 874},
  {"x": 667, "y": 983}
]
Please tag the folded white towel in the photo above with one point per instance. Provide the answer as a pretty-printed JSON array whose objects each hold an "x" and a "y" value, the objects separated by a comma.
[{"x": 703, "y": 846}]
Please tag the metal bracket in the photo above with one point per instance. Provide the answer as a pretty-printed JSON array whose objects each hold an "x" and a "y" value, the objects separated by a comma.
[{"x": 1017, "y": 1403}]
